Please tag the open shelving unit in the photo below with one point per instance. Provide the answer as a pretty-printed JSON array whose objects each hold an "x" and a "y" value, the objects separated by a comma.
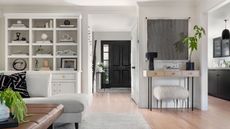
[
  {"x": 43, "y": 38},
  {"x": 31, "y": 28}
]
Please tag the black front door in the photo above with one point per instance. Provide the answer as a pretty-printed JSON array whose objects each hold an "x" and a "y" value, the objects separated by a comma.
[{"x": 119, "y": 64}]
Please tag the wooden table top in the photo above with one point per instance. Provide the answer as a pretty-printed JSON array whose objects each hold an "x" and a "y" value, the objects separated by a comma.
[{"x": 41, "y": 116}]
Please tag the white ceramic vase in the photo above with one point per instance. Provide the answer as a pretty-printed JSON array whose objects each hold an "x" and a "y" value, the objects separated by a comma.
[{"x": 4, "y": 112}]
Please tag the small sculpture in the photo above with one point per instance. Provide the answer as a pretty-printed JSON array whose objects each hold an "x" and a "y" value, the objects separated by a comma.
[
  {"x": 66, "y": 22},
  {"x": 18, "y": 36},
  {"x": 44, "y": 36}
]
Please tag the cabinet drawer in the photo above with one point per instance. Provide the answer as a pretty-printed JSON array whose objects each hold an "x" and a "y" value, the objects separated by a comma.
[
  {"x": 66, "y": 76},
  {"x": 191, "y": 73},
  {"x": 172, "y": 73}
]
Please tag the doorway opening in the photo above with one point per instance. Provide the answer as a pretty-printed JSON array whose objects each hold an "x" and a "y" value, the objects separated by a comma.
[{"x": 116, "y": 59}]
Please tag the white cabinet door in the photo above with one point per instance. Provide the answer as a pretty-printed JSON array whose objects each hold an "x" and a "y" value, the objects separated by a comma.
[
  {"x": 63, "y": 88},
  {"x": 67, "y": 87}
]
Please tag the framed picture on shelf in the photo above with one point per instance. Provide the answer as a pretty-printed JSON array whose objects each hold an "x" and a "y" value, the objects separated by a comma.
[{"x": 69, "y": 63}]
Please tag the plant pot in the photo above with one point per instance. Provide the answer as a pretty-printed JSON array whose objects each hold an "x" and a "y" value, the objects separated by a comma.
[
  {"x": 190, "y": 65},
  {"x": 4, "y": 112}
]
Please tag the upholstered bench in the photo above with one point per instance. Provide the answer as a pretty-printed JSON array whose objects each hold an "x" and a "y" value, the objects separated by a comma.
[{"x": 167, "y": 92}]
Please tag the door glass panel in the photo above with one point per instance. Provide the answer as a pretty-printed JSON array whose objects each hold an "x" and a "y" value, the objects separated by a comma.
[
  {"x": 106, "y": 48},
  {"x": 105, "y": 61},
  {"x": 106, "y": 56}
]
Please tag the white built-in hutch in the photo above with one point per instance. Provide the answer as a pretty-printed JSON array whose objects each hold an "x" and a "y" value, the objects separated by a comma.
[{"x": 41, "y": 42}]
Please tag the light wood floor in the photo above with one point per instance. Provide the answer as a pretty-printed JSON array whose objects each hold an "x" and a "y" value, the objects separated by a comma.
[{"x": 217, "y": 117}]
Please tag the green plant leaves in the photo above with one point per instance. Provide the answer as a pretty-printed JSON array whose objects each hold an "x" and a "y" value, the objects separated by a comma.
[
  {"x": 192, "y": 41},
  {"x": 14, "y": 101}
]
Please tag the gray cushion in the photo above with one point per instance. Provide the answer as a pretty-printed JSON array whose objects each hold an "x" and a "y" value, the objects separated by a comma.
[{"x": 73, "y": 103}]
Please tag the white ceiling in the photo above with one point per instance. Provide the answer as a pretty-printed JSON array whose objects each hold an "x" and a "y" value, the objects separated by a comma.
[{"x": 79, "y": 2}]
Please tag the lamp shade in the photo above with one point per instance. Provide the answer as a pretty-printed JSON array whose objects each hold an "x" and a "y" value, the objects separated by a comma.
[{"x": 225, "y": 34}]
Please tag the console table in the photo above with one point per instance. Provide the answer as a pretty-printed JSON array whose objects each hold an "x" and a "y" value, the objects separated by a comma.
[
  {"x": 173, "y": 74},
  {"x": 41, "y": 116}
]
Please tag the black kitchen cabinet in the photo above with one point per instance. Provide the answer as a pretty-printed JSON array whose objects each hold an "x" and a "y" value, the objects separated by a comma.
[{"x": 219, "y": 83}]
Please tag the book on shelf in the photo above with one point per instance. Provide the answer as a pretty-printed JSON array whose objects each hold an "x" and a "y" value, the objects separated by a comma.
[
  {"x": 43, "y": 54},
  {"x": 19, "y": 54},
  {"x": 67, "y": 26},
  {"x": 47, "y": 41},
  {"x": 15, "y": 41},
  {"x": 18, "y": 26}
]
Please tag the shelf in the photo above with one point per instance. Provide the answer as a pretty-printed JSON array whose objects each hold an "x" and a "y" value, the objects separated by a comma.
[
  {"x": 66, "y": 28},
  {"x": 42, "y": 56},
  {"x": 42, "y": 28},
  {"x": 18, "y": 44},
  {"x": 18, "y": 28},
  {"x": 42, "y": 44},
  {"x": 66, "y": 56},
  {"x": 18, "y": 56},
  {"x": 66, "y": 44}
]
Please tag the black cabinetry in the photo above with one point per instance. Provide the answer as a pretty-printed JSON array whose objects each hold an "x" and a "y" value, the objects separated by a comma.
[
  {"x": 219, "y": 83},
  {"x": 221, "y": 48}
]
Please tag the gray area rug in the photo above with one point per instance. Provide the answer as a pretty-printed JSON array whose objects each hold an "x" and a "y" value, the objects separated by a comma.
[{"x": 109, "y": 121}]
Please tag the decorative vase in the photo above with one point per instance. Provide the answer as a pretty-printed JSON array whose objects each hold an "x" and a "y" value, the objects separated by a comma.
[
  {"x": 44, "y": 36},
  {"x": 190, "y": 65},
  {"x": 66, "y": 22},
  {"x": 4, "y": 112}
]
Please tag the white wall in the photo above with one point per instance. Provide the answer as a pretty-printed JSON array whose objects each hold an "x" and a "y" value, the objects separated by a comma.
[{"x": 171, "y": 10}]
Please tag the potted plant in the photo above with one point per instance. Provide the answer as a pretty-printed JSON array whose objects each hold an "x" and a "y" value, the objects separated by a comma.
[
  {"x": 14, "y": 102},
  {"x": 192, "y": 43}
]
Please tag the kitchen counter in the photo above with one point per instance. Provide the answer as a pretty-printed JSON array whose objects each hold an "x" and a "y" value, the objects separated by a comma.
[{"x": 218, "y": 68}]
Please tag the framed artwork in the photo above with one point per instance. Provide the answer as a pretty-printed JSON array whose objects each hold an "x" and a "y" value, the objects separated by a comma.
[{"x": 69, "y": 63}]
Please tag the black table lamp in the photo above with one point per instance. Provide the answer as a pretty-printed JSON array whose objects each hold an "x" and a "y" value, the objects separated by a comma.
[{"x": 150, "y": 56}]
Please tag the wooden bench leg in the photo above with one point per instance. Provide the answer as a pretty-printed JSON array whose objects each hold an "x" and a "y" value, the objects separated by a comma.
[
  {"x": 76, "y": 125},
  {"x": 50, "y": 127}
]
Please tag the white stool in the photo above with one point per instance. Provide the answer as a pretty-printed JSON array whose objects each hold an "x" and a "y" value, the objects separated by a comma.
[{"x": 168, "y": 92}]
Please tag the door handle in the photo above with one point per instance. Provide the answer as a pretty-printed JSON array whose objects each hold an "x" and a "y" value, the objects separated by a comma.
[{"x": 133, "y": 67}]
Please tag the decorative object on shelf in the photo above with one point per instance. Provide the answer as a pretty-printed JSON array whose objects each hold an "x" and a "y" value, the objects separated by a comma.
[
  {"x": 225, "y": 33},
  {"x": 18, "y": 36},
  {"x": 19, "y": 24},
  {"x": 39, "y": 50},
  {"x": 69, "y": 63},
  {"x": 18, "y": 40},
  {"x": 36, "y": 65},
  {"x": 67, "y": 52},
  {"x": 66, "y": 22},
  {"x": 23, "y": 39},
  {"x": 66, "y": 38},
  {"x": 44, "y": 36},
  {"x": 4, "y": 112},
  {"x": 51, "y": 23},
  {"x": 19, "y": 64},
  {"x": 15, "y": 103},
  {"x": 150, "y": 56},
  {"x": 192, "y": 43},
  {"x": 45, "y": 66}
]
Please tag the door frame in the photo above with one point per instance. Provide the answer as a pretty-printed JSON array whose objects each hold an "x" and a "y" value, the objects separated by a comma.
[{"x": 102, "y": 59}]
